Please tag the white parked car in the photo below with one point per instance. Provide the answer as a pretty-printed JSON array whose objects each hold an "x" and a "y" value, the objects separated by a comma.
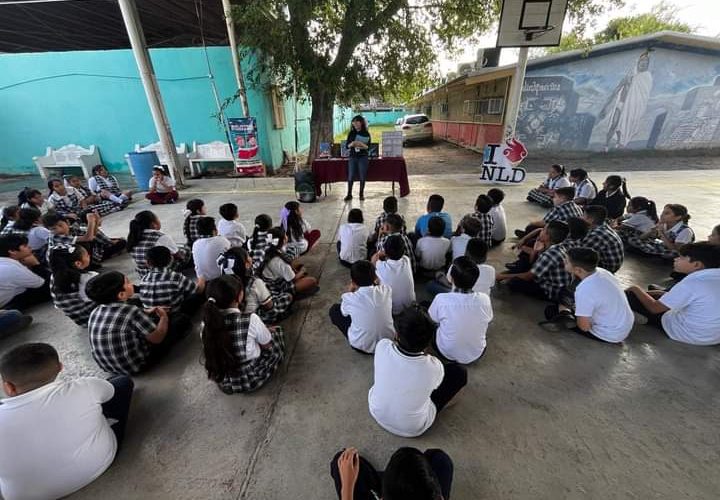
[{"x": 415, "y": 128}]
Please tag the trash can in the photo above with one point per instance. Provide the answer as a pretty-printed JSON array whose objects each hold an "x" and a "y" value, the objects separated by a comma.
[{"x": 142, "y": 164}]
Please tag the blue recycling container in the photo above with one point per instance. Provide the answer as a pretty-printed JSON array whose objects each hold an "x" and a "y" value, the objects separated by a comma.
[{"x": 142, "y": 164}]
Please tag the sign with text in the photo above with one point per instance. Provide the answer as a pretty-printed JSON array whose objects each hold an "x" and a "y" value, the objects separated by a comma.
[
  {"x": 500, "y": 163},
  {"x": 243, "y": 132}
]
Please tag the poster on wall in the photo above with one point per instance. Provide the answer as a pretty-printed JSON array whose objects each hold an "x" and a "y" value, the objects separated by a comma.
[
  {"x": 500, "y": 163},
  {"x": 243, "y": 133}
]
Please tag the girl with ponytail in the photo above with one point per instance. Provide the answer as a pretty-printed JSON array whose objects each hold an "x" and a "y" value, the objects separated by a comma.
[
  {"x": 641, "y": 217},
  {"x": 239, "y": 352},
  {"x": 301, "y": 237},
  {"x": 69, "y": 268},
  {"x": 667, "y": 236},
  {"x": 145, "y": 234},
  {"x": 194, "y": 211},
  {"x": 544, "y": 193},
  {"x": 258, "y": 241},
  {"x": 280, "y": 272},
  {"x": 613, "y": 196}
]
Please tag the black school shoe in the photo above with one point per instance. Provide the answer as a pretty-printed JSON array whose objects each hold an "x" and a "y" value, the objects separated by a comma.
[
  {"x": 519, "y": 233},
  {"x": 557, "y": 320}
]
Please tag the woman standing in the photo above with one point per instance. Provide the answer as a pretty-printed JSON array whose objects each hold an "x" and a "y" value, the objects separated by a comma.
[{"x": 358, "y": 142}]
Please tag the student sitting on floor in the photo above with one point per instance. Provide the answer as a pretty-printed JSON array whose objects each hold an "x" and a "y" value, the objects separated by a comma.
[
  {"x": 32, "y": 198},
  {"x": 668, "y": 235},
  {"x": 64, "y": 232},
  {"x": 163, "y": 287},
  {"x": 24, "y": 280},
  {"x": 240, "y": 353},
  {"x": 690, "y": 311},
  {"x": 410, "y": 387},
  {"x": 390, "y": 207},
  {"x": 547, "y": 278},
  {"x": 603, "y": 239},
  {"x": 144, "y": 234},
  {"x": 544, "y": 193},
  {"x": 469, "y": 228},
  {"x": 277, "y": 271},
  {"x": 410, "y": 474},
  {"x": 29, "y": 225},
  {"x": 476, "y": 251},
  {"x": 230, "y": 227},
  {"x": 70, "y": 274},
  {"x": 432, "y": 249},
  {"x": 641, "y": 217},
  {"x": 578, "y": 229},
  {"x": 434, "y": 208},
  {"x": 497, "y": 212},
  {"x": 352, "y": 239},
  {"x": 394, "y": 270},
  {"x": 364, "y": 315},
  {"x": 10, "y": 215},
  {"x": 601, "y": 308},
  {"x": 66, "y": 201},
  {"x": 207, "y": 248},
  {"x": 483, "y": 205},
  {"x": 259, "y": 299},
  {"x": 300, "y": 235},
  {"x": 161, "y": 187},
  {"x": 107, "y": 187},
  {"x": 564, "y": 208},
  {"x": 462, "y": 315},
  {"x": 88, "y": 200},
  {"x": 194, "y": 210},
  {"x": 257, "y": 243},
  {"x": 57, "y": 435},
  {"x": 613, "y": 196},
  {"x": 585, "y": 188},
  {"x": 124, "y": 338},
  {"x": 393, "y": 226}
]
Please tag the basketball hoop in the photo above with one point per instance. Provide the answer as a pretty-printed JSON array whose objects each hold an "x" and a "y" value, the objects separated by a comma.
[
  {"x": 531, "y": 34},
  {"x": 531, "y": 23}
]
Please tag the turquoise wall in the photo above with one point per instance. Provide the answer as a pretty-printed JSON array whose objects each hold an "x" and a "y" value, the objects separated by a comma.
[
  {"x": 382, "y": 117},
  {"x": 342, "y": 116},
  {"x": 96, "y": 97}
]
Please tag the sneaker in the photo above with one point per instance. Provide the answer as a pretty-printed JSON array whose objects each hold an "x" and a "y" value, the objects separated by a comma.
[
  {"x": 640, "y": 319},
  {"x": 362, "y": 197},
  {"x": 519, "y": 233},
  {"x": 348, "y": 197}
]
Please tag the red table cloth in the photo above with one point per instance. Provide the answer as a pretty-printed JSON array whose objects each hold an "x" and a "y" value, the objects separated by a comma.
[{"x": 327, "y": 170}]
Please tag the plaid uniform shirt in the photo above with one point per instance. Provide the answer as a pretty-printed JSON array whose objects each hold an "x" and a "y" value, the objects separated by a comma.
[
  {"x": 108, "y": 183},
  {"x": 608, "y": 244},
  {"x": 68, "y": 204},
  {"x": 407, "y": 243},
  {"x": 101, "y": 240},
  {"x": 563, "y": 212},
  {"x": 118, "y": 340},
  {"x": 165, "y": 288},
  {"x": 139, "y": 252},
  {"x": 486, "y": 226},
  {"x": 257, "y": 250},
  {"x": 72, "y": 304},
  {"x": 381, "y": 220},
  {"x": 550, "y": 273},
  {"x": 190, "y": 229},
  {"x": 12, "y": 230}
]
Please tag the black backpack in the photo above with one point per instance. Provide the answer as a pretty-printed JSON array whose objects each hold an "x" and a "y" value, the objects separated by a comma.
[{"x": 305, "y": 186}]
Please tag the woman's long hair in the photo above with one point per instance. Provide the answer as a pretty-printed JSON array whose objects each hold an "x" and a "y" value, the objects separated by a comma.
[
  {"x": 142, "y": 221},
  {"x": 293, "y": 222},
  {"x": 217, "y": 340},
  {"x": 640, "y": 203},
  {"x": 363, "y": 129},
  {"x": 66, "y": 276},
  {"x": 272, "y": 250},
  {"x": 263, "y": 223}
]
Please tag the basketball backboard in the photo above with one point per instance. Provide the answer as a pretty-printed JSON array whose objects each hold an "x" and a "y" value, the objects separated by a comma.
[{"x": 531, "y": 23}]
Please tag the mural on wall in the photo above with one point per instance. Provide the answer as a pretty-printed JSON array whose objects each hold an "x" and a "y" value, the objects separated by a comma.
[{"x": 658, "y": 99}]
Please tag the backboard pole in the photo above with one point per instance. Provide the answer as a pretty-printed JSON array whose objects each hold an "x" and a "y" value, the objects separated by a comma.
[{"x": 513, "y": 105}]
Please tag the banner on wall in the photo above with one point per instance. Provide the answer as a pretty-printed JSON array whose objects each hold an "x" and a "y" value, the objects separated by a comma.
[
  {"x": 243, "y": 133},
  {"x": 500, "y": 163}
]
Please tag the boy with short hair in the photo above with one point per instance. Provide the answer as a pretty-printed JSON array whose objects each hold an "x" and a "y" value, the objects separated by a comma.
[
  {"x": 476, "y": 251},
  {"x": 410, "y": 387},
  {"x": 497, "y": 212},
  {"x": 163, "y": 287},
  {"x": 207, "y": 248},
  {"x": 390, "y": 207},
  {"x": 99, "y": 245},
  {"x": 462, "y": 315},
  {"x": 603, "y": 239},
  {"x": 431, "y": 250},
  {"x": 24, "y": 281},
  {"x": 563, "y": 208},
  {"x": 469, "y": 228},
  {"x": 364, "y": 315},
  {"x": 230, "y": 227},
  {"x": 393, "y": 268},
  {"x": 690, "y": 311},
  {"x": 434, "y": 208},
  {"x": 394, "y": 226},
  {"x": 56, "y": 436},
  {"x": 124, "y": 338},
  {"x": 483, "y": 205}
]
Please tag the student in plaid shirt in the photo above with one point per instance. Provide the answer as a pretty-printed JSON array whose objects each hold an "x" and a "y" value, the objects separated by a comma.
[
  {"x": 90, "y": 201},
  {"x": 65, "y": 232},
  {"x": 145, "y": 234},
  {"x": 69, "y": 267},
  {"x": 394, "y": 224},
  {"x": 483, "y": 205},
  {"x": 194, "y": 211},
  {"x": 240, "y": 353},
  {"x": 257, "y": 243},
  {"x": 163, "y": 287},
  {"x": 390, "y": 207},
  {"x": 547, "y": 278},
  {"x": 125, "y": 339},
  {"x": 564, "y": 208},
  {"x": 603, "y": 239}
]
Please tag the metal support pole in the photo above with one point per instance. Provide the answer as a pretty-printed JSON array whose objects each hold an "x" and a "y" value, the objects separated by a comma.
[
  {"x": 227, "y": 8},
  {"x": 152, "y": 90},
  {"x": 513, "y": 105}
]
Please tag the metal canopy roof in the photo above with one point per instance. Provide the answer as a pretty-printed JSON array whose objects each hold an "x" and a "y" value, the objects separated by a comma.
[{"x": 98, "y": 25}]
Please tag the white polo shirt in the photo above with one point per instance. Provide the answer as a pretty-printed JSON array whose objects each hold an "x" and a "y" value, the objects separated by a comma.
[
  {"x": 463, "y": 320},
  {"x": 353, "y": 242},
  {"x": 431, "y": 252},
  {"x": 55, "y": 439},
  {"x": 205, "y": 254},
  {"x": 277, "y": 268},
  {"x": 16, "y": 278},
  {"x": 601, "y": 298},
  {"x": 694, "y": 315},
  {"x": 233, "y": 230},
  {"x": 459, "y": 244},
  {"x": 370, "y": 309},
  {"x": 499, "y": 231},
  {"x": 399, "y": 399},
  {"x": 485, "y": 281},
  {"x": 398, "y": 275},
  {"x": 167, "y": 185}
]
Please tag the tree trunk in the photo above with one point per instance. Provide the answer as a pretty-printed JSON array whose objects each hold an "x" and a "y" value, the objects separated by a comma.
[{"x": 321, "y": 120}]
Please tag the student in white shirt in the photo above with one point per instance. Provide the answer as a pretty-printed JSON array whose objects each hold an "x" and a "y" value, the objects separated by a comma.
[
  {"x": 410, "y": 387},
  {"x": 24, "y": 281},
  {"x": 469, "y": 228},
  {"x": 432, "y": 249},
  {"x": 602, "y": 311},
  {"x": 497, "y": 212},
  {"x": 463, "y": 315},
  {"x": 690, "y": 311},
  {"x": 56, "y": 435},
  {"x": 585, "y": 188},
  {"x": 301, "y": 237},
  {"x": 278, "y": 270},
  {"x": 352, "y": 239},
  {"x": 161, "y": 187},
  {"x": 207, "y": 249},
  {"x": 364, "y": 314},
  {"x": 32, "y": 198},
  {"x": 476, "y": 250},
  {"x": 229, "y": 226},
  {"x": 395, "y": 271}
]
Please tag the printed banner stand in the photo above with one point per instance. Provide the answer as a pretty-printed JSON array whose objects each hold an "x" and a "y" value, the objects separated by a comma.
[
  {"x": 243, "y": 133},
  {"x": 500, "y": 163}
]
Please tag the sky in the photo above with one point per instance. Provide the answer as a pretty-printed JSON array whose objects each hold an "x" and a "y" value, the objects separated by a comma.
[{"x": 701, "y": 14}]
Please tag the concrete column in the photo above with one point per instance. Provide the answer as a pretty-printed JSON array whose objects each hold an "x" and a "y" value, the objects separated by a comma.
[
  {"x": 513, "y": 103},
  {"x": 227, "y": 8}
]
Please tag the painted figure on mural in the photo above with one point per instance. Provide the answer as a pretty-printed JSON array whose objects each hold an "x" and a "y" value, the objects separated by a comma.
[{"x": 627, "y": 104}]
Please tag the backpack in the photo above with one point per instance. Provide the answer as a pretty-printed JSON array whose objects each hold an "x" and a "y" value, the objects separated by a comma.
[{"x": 305, "y": 186}]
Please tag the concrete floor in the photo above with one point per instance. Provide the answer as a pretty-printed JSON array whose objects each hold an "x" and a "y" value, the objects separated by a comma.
[{"x": 544, "y": 415}]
